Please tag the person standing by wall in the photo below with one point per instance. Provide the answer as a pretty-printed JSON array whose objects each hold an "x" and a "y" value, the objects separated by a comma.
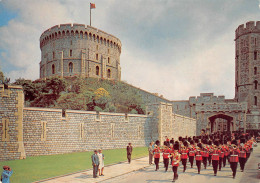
[
  {"x": 95, "y": 163},
  {"x": 101, "y": 162},
  {"x": 150, "y": 151},
  {"x": 129, "y": 150},
  {"x": 5, "y": 178}
]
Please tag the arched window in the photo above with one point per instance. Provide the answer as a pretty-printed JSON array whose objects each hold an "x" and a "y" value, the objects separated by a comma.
[
  {"x": 97, "y": 70},
  {"x": 255, "y": 70},
  {"x": 108, "y": 73},
  {"x": 53, "y": 69},
  {"x": 108, "y": 60},
  {"x": 70, "y": 67},
  {"x": 96, "y": 56},
  {"x": 255, "y": 100},
  {"x": 255, "y": 55},
  {"x": 255, "y": 83}
]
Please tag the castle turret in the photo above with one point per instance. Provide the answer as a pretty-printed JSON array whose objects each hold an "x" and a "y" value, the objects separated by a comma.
[
  {"x": 248, "y": 65},
  {"x": 79, "y": 50}
]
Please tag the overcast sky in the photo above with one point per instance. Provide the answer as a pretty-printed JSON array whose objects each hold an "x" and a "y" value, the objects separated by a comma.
[{"x": 177, "y": 48}]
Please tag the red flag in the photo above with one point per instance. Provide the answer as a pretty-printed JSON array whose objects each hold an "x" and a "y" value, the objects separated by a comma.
[{"x": 92, "y": 6}]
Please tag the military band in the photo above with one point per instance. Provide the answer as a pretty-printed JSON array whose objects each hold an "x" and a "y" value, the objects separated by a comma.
[{"x": 216, "y": 150}]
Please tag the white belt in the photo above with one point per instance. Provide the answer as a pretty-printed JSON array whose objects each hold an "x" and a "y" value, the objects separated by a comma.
[
  {"x": 184, "y": 153},
  {"x": 233, "y": 155},
  {"x": 216, "y": 154},
  {"x": 198, "y": 155}
]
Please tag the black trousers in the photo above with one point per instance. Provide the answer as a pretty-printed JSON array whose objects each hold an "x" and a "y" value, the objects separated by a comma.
[
  {"x": 191, "y": 160},
  {"x": 166, "y": 163},
  {"x": 247, "y": 156},
  {"x": 175, "y": 173},
  {"x": 205, "y": 160},
  {"x": 224, "y": 161},
  {"x": 184, "y": 163},
  {"x": 233, "y": 166},
  {"x": 215, "y": 166},
  {"x": 156, "y": 162},
  {"x": 129, "y": 158},
  {"x": 242, "y": 162},
  {"x": 95, "y": 171},
  {"x": 198, "y": 163},
  {"x": 209, "y": 158},
  {"x": 220, "y": 163}
]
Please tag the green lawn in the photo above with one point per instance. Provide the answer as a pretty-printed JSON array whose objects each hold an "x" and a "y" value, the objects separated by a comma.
[{"x": 42, "y": 167}]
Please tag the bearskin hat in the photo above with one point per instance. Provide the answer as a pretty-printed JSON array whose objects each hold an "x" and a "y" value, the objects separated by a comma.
[
  {"x": 242, "y": 140},
  {"x": 196, "y": 140},
  {"x": 180, "y": 138},
  {"x": 192, "y": 142},
  {"x": 185, "y": 143},
  {"x": 176, "y": 146},
  {"x": 216, "y": 142},
  {"x": 189, "y": 139},
  {"x": 157, "y": 142},
  {"x": 210, "y": 142},
  {"x": 234, "y": 142},
  {"x": 225, "y": 141},
  {"x": 200, "y": 145}
]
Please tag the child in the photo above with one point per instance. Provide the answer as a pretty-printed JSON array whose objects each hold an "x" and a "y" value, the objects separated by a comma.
[{"x": 6, "y": 174}]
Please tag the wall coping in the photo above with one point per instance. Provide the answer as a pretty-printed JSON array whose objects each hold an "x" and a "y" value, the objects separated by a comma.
[
  {"x": 42, "y": 109},
  {"x": 12, "y": 86},
  {"x": 174, "y": 114}
]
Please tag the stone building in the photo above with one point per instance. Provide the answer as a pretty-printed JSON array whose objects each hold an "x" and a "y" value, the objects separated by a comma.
[
  {"x": 215, "y": 113},
  {"x": 79, "y": 50}
]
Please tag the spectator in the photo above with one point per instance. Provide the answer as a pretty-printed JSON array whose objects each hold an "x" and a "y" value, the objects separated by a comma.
[
  {"x": 101, "y": 162},
  {"x": 5, "y": 178},
  {"x": 95, "y": 163},
  {"x": 129, "y": 150}
]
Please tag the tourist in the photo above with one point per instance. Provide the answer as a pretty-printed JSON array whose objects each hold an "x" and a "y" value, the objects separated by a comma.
[
  {"x": 5, "y": 178},
  {"x": 129, "y": 150},
  {"x": 150, "y": 151},
  {"x": 101, "y": 163},
  {"x": 95, "y": 163}
]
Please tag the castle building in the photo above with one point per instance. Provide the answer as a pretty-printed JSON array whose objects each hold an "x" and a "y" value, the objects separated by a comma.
[
  {"x": 215, "y": 113},
  {"x": 79, "y": 50}
]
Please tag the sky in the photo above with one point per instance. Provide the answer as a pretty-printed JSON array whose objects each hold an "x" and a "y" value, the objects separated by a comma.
[{"x": 176, "y": 48}]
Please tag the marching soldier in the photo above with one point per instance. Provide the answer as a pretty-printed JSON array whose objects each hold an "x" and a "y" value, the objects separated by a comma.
[
  {"x": 226, "y": 153},
  {"x": 210, "y": 151},
  {"x": 234, "y": 158},
  {"x": 156, "y": 152},
  {"x": 215, "y": 158},
  {"x": 198, "y": 157},
  {"x": 175, "y": 161},
  {"x": 191, "y": 153},
  {"x": 166, "y": 154},
  {"x": 184, "y": 155},
  {"x": 242, "y": 158},
  {"x": 205, "y": 155}
]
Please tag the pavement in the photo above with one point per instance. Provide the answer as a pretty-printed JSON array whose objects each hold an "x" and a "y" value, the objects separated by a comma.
[{"x": 140, "y": 171}]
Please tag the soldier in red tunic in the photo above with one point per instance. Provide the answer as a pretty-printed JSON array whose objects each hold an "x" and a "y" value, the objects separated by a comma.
[
  {"x": 166, "y": 154},
  {"x": 191, "y": 153},
  {"x": 226, "y": 153},
  {"x": 175, "y": 161},
  {"x": 215, "y": 158},
  {"x": 234, "y": 158},
  {"x": 184, "y": 155},
  {"x": 221, "y": 156},
  {"x": 210, "y": 149},
  {"x": 198, "y": 157},
  {"x": 156, "y": 152}
]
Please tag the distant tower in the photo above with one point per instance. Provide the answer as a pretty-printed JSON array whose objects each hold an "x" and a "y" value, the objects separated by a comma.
[
  {"x": 77, "y": 50},
  {"x": 247, "y": 65}
]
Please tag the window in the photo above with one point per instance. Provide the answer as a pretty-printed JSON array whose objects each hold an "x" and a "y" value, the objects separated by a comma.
[
  {"x": 71, "y": 42},
  {"x": 255, "y": 83},
  {"x": 107, "y": 50},
  {"x": 96, "y": 56},
  {"x": 70, "y": 53},
  {"x": 108, "y": 73},
  {"x": 97, "y": 47},
  {"x": 70, "y": 67},
  {"x": 108, "y": 60},
  {"x": 97, "y": 70},
  {"x": 255, "y": 55},
  {"x": 255, "y": 70},
  {"x": 255, "y": 98},
  {"x": 53, "y": 69}
]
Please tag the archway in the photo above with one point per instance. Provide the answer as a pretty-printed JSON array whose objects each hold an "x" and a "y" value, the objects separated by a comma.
[{"x": 221, "y": 122}]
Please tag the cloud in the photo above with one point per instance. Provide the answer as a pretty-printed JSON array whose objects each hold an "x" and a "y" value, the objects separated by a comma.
[{"x": 173, "y": 48}]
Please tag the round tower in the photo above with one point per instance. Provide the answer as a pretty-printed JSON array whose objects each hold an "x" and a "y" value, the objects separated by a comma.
[
  {"x": 79, "y": 50},
  {"x": 247, "y": 64}
]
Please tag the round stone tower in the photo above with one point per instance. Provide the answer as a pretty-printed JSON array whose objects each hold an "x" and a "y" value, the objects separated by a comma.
[
  {"x": 247, "y": 65},
  {"x": 79, "y": 50}
]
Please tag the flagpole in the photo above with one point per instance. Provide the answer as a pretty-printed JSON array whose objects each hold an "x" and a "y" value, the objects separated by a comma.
[{"x": 90, "y": 13}]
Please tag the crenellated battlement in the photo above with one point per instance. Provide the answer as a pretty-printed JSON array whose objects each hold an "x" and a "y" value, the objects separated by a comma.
[
  {"x": 80, "y": 31},
  {"x": 249, "y": 27}
]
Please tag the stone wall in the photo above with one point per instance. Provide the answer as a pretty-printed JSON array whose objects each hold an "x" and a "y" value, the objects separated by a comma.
[{"x": 28, "y": 131}]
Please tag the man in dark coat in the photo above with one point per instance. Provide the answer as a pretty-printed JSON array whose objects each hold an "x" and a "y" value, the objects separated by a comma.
[
  {"x": 129, "y": 150},
  {"x": 95, "y": 163}
]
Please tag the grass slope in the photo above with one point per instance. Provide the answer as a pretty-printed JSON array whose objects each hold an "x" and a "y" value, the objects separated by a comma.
[{"x": 42, "y": 167}]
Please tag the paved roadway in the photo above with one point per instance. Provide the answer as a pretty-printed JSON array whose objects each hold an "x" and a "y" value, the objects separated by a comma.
[{"x": 139, "y": 172}]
